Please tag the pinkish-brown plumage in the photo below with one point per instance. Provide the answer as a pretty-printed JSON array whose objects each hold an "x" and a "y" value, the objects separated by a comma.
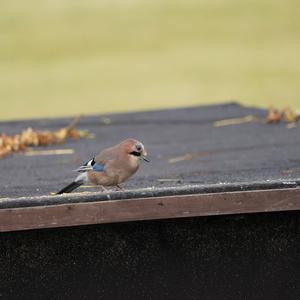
[{"x": 111, "y": 166}]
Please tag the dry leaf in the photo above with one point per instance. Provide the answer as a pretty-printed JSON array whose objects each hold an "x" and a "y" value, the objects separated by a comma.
[
  {"x": 289, "y": 115},
  {"x": 31, "y": 138},
  {"x": 273, "y": 116}
]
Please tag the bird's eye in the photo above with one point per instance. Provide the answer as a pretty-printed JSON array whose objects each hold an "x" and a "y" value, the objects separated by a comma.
[{"x": 138, "y": 147}]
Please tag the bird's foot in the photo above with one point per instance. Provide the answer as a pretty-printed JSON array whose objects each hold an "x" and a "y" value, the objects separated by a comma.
[
  {"x": 103, "y": 188},
  {"x": 120, "y": 188}
]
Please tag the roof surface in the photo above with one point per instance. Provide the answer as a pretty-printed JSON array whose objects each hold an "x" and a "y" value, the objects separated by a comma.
[{"x": 184, "y": 146}]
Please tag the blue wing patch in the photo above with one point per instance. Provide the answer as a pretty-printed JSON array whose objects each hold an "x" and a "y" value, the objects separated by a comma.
[
  {"x": 98, "y": 167},
  {"x": 91, "y": 165}
]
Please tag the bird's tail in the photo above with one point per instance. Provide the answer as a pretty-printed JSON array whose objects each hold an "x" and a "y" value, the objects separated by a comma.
[{"x": 72, "y": 186}]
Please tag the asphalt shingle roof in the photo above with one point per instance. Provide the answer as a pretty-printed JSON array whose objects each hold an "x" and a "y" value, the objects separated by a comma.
[{"x": 183, "y": 145}]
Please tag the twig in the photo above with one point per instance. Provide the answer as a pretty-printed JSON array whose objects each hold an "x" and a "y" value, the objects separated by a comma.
[
  {"x": 49, "y": 152},
  {"x": 169, "y": 180},
  {"x": 73, "y": 123},
  {"x": 189, "y": 156},
  {"x": 235, "y": 121}
]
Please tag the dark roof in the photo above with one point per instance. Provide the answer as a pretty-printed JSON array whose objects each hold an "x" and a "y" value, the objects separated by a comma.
[{"x": 251, "y": 153}]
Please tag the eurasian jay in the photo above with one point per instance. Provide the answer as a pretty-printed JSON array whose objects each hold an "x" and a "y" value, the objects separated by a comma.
[{"x": 111, "y": 166}]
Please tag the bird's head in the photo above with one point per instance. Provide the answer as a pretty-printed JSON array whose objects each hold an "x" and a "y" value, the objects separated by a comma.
[{"x": 135, "y": 148}]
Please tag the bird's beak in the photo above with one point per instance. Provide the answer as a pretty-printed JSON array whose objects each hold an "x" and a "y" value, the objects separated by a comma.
[
  {"x": 145, "y": 159},
  {"x": 144, "y": 154}
]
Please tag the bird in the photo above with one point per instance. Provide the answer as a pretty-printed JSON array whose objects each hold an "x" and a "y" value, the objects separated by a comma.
[{"x": 111, "y": 166}]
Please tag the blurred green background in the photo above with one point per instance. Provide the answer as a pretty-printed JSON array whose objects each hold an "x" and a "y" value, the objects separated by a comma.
[{"x": 64, "y": 57}]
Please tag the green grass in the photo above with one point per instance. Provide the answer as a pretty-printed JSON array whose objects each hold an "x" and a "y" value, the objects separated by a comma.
[{"x": 60, "y": 57}]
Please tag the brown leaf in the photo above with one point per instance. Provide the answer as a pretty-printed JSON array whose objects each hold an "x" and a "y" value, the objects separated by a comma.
[
  {"x": 273, "y": 116},
  {"x": 289, "y": 115},
  {"x": 31, "y": 138},
  {"x": 4, "y": 152},
  {"x": 61, "y": 135}
]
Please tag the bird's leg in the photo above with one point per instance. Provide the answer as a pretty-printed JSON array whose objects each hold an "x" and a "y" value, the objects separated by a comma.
[
  {"x": 120, "y": 188},
  {"x": 103, "y": 188}
]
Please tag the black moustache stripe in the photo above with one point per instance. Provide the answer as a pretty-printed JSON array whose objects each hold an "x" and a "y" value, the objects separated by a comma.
[{"x": 135, "y": 153}]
